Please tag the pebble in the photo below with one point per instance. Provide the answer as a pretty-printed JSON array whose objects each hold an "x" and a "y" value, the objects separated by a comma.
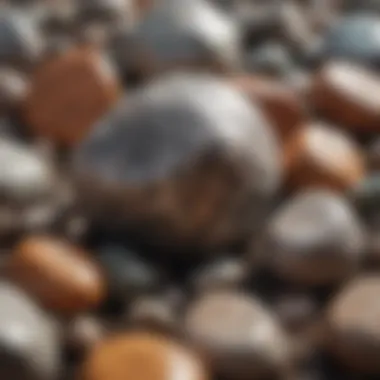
[
  {"x": 355, "y": 39},
  {"x": 321, "y": 155},
  {"x": 343, "y": 93},
  {"x": 181, "y": 33},
  {"x": 29, "y": 338},
  {"x": 68, "y": 94},
  {"x": 21, "y": 44},
  {"x": 164, "y": 129},
  {"x": 353, "y": 324},
  {"x": 237, "y": 334},
  {"x": 62, "y": 277},
  {"x": 315, "y": 239},
  {"x": 140, "y": 355}
]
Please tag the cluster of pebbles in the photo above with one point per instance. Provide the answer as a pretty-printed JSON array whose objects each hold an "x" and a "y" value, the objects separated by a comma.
[{"x": 190, "y": 189}]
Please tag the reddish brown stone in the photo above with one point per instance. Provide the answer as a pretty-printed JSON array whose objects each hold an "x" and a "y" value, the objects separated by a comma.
[
  {"x": 354, "y": 325},
  {"x": 69, "y": 94},
  {"x": 321, "y": 156},
  {"x": 60, "y": 276},
  {"x": 348, "y": 95},
  {"x": 280, "y": 102},
  {"x": 142, "y": 356}
]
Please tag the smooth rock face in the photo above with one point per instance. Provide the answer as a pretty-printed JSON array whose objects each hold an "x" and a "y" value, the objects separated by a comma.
[
  {"x": 315, "y": 239},
  {"x": 355, "y": 39},
  {"x": 69, "y": 94},
  {"x": 353, "y": 324},
  {"x": 187, "y": 172},
  {"x": 142, "y": 356},
  {"x": 319, "y": 155},
  {"x": 237, "y": 334},
  {"x": 187, "y": 33},
  {"x": 29, "y": 345},
  {"x": 60, "y": 276}
]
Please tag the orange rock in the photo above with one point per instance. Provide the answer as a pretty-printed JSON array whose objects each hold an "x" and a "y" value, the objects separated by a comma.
[
  {"x": 69, "y": 94},
  {"x": 280, "y": 102},
  {"x": 320, "y": 156},
  {"x": 62, "y": 277},
  {"x": 348, "y": 95},
  {"x": 142, "y": 356}
]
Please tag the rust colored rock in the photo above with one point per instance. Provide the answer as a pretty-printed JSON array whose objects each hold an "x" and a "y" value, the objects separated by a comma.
[
  {"x": 318, "y": 155},
  {"x": 62, "y": 277},
  {"x": 347, "y": 95},
  {"x": 69, "y": 94},
  {"x": 238, "y": 335},
  {"x": 142, "y": 356},
  {"x": 280, "y": 102},
  {"x": 353, "y": 322}
]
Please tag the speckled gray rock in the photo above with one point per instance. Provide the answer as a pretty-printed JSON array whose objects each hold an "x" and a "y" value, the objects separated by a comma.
[
  {"x": 315, "y": 239},
  {"x": 29, "y": 341},
  {"x": 191, "y": 33},
  {"x": 186, "y": 161}
]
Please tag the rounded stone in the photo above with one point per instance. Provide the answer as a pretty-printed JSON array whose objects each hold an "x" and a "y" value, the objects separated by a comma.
[
  {"x": 319, "y": 155},
  {"x": 29, "y": 339},
  {"x": 21, "y": 44},
  {"x": 315, "y": 239},
  {"x": 353, "y": 325},
  {"x": 60, "y": 276},
  {"x": 69, "y": 93},
  {"x": 140, "y": 355},
  {"x": 343, "y": 93},
  {"x": 237, "y": 334},
  {"x": 185, "y": 161},
  {"x": 354, "y": 38},
  {"x": 178, "y": 33}
]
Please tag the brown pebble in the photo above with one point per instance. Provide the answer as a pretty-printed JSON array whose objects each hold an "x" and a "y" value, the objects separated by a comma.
[
  {"x": 345, "y": 94},
  {"x": 353, "y": 322},
  {"x": 238, "y": 335},
  {"x": 281, "y": 103},
  {"x": 318, "y": 155},
  {"x": 142, "y": 356},
  {"x": 69, "y": 94},
  {"x": 62, "y": 277}
]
